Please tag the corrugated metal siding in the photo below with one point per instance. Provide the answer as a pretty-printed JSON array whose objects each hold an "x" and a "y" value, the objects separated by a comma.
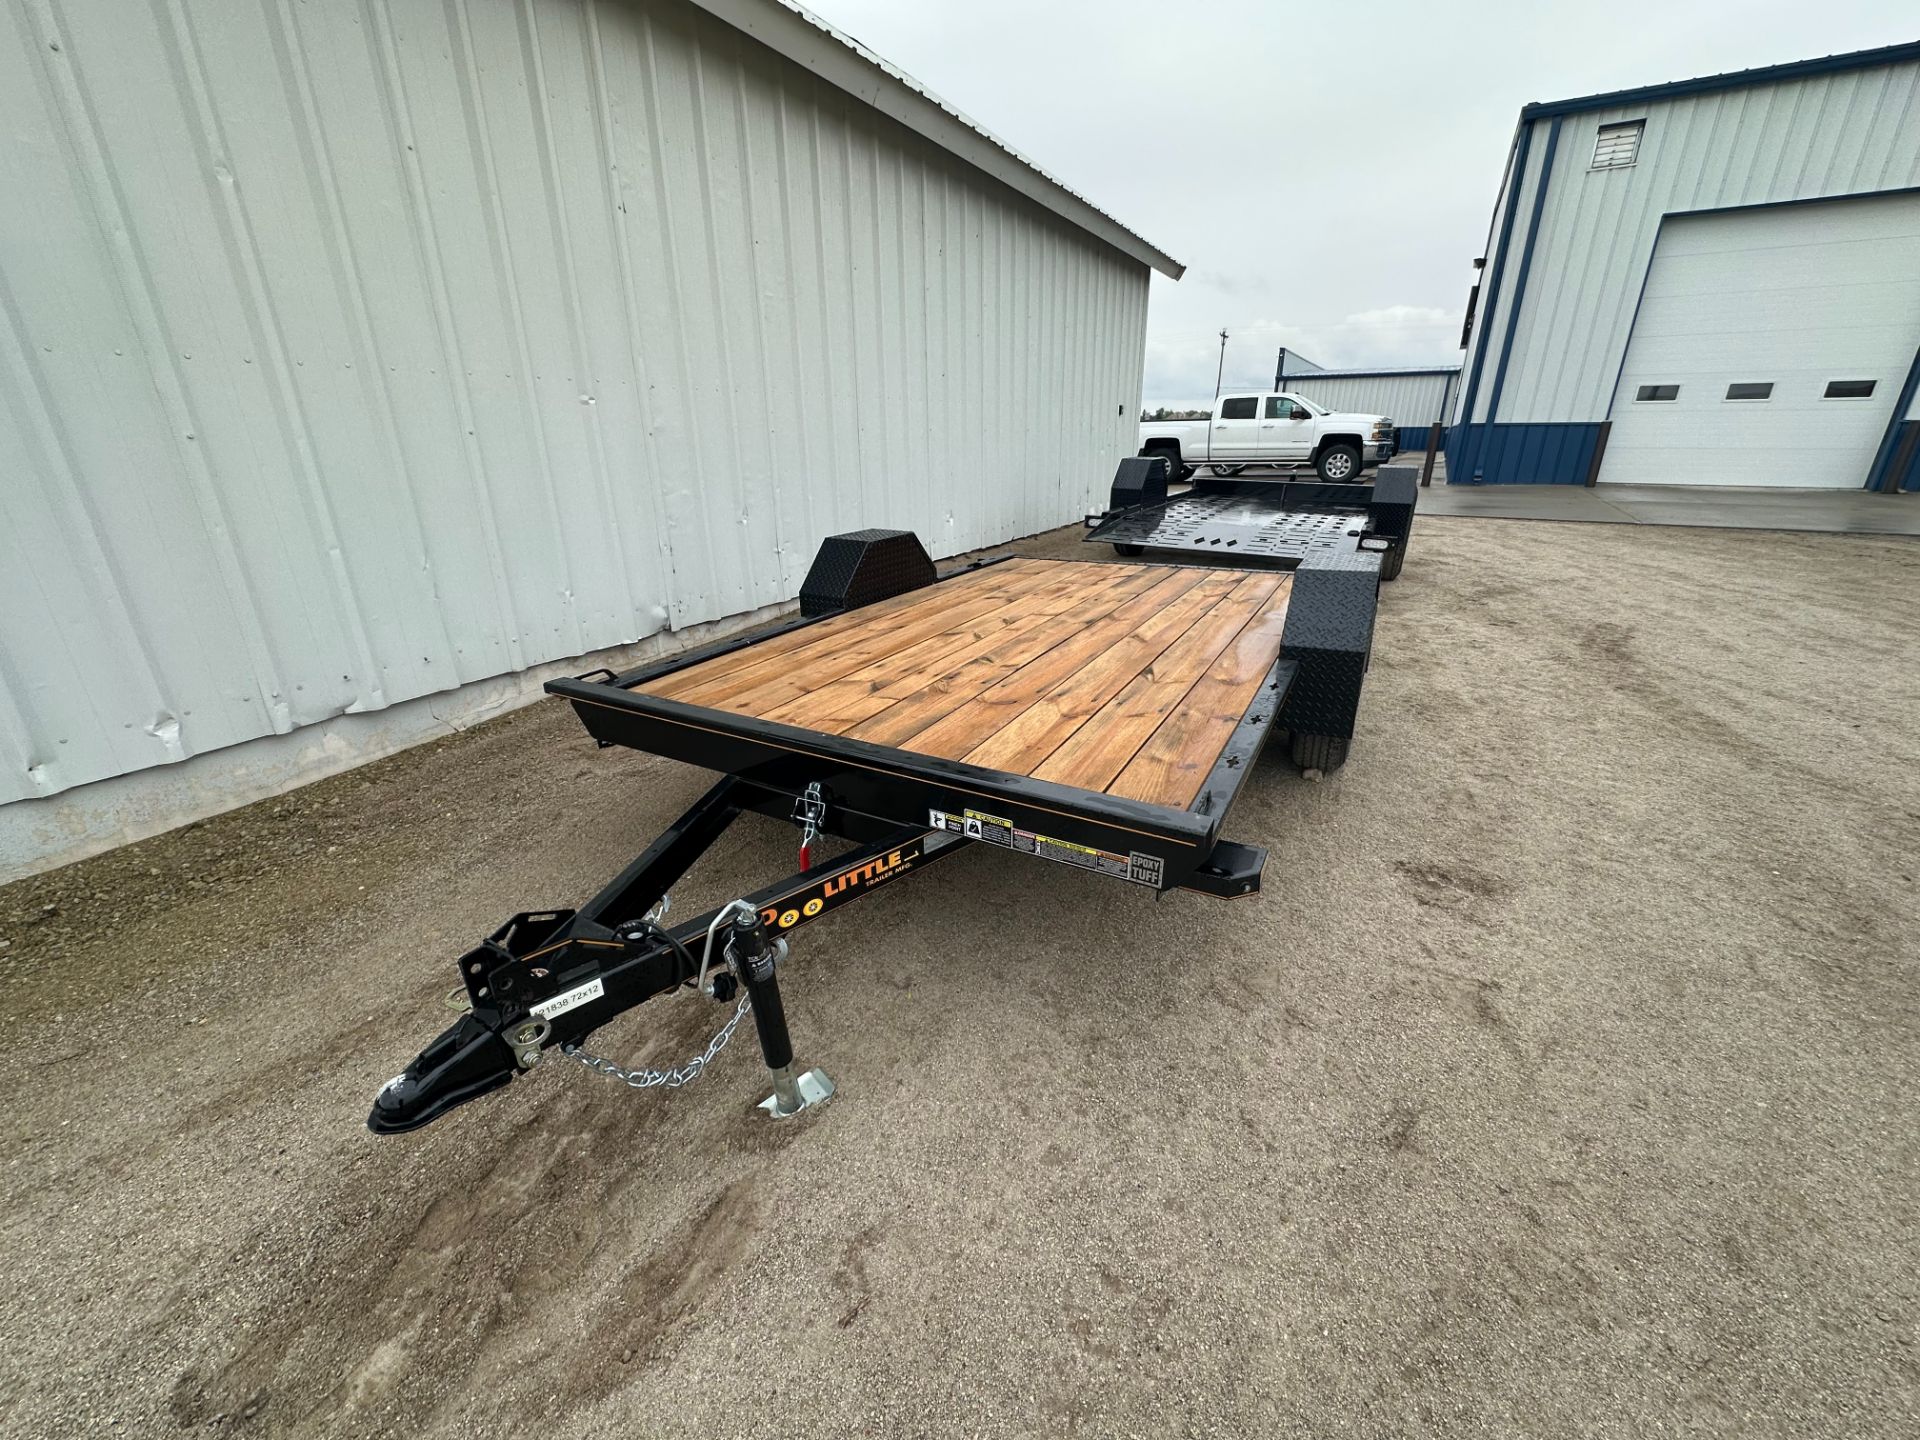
[
  {"x": 355, "y": 353},
  {"x": 1407, "y": 399},
  {"x": 1843, "y": 133},
  {"x": 1557, "y": 454}
]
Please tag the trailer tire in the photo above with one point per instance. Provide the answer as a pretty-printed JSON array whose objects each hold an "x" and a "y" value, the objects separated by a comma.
[
  {"x": 1391, "y": 561},
  {"x": 1338, "y": 464},
  {"x": 1325, "y": 753},
  {"x": 1129, "y": 550}
]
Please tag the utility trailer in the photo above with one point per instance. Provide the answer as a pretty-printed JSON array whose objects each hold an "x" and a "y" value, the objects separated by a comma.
[
  {"x": 1097, "y": 715},
  {"x": 1255, "y": 522}
]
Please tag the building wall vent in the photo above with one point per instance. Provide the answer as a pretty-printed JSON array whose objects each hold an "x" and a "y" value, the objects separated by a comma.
[{"x": 1617, "y": 146}]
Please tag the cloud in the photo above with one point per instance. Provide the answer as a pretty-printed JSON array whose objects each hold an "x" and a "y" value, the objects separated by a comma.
[{"x": 1180, "y": 371}]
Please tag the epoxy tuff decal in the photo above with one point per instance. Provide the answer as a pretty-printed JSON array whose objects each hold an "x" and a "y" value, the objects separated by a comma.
[{"x": 1139, "y": 868}]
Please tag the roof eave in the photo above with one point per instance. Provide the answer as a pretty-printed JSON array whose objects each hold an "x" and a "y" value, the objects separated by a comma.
[
  {"x": 1731, "y": 80},
  {"x": 844, "y": 63}
]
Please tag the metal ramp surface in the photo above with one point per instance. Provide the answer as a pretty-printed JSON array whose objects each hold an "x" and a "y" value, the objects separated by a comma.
[{"x": 1236, "y": 524}]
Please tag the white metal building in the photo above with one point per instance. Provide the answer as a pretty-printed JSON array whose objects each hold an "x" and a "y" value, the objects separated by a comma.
[
  {"x": 1414, "y": 399},
  {"x": 358, "y": 363},
  {"x": 1713, "y": 282}
]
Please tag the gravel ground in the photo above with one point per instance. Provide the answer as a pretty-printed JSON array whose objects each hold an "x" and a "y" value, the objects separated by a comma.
[{"x": 1562, "y": 1081}]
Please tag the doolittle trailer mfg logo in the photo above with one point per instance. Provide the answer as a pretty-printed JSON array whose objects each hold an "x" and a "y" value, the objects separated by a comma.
[{"x": 804, "y": 905}]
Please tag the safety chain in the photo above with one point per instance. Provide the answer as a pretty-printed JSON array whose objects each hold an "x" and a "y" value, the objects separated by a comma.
[{"x": 642, "y": 1078}]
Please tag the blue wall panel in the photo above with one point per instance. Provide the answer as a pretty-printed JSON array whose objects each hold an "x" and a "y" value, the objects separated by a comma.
[
  {"x": 1411, "y": 437},
  {"x": 1903, "y": 462},
  {"x": 1539, "y": 454}
]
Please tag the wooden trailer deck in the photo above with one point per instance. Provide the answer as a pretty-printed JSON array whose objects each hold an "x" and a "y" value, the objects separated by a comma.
[{"x": 1127, "y": 680}]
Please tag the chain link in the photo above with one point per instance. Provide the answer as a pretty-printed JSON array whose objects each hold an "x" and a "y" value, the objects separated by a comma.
[{"x": 641, "y": 1078}]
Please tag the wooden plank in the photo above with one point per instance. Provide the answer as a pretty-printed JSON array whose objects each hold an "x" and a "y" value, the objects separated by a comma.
[
  {"x": 991, "y": 580},
  {"x": 808, "y": 693},
  {"x": 967, "y": 727},
  {"x": 849, "y": 641},
  {"x": 1173, "y": 764},
  {"x": 774, "y": 646},
  {"x": 1102, "y": 748},
  {"x": 1025, "y": 742},
  {"x": 866, "y": 692},
  {"x": 939, "y": 698}
]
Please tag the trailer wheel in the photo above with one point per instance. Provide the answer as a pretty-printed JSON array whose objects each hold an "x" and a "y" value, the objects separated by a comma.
[
  {"x": 1228, "y": 469},
  {"x": 1324, "y": 753},
  {"x": 1129, "y": 550},
  {"x": 1391, "y": 561},
  {"x": 1338, "y": 463}
]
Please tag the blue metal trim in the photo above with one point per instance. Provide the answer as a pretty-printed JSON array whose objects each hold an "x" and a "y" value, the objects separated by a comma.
[
  {"x": 1880, "y": 474},
  {"x": 1634, "y": 323},
  {"x": 1526, "y": 267},
  {"x": 1797, "y": 200},
  {"x": 1732, "y": 80},
  {"x": 1904, "y": 477},
  {"x": 1491, "y": 301},
  {"x": 1542, "y": 453}
]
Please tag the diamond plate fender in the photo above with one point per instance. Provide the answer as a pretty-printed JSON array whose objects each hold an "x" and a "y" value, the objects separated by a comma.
[
  {"x": 1329, "y": 632},
  {"x": 863, "y": 566},
  {"x": 1396, "y": 488},
  {"x": 1139, "y": 480}
]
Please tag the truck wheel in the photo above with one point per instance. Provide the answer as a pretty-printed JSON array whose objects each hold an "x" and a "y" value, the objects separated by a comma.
[
  {"x": 1228, "y": 469},
  {"x": 1325, "y": 753},
  {"x": 1176, "y": 472},
  {"x": 1129, "y": 550},
  {"x": 1338, "y": 463}
]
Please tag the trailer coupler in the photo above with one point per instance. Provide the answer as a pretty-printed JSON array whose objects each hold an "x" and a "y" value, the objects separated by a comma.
[{"x": 549, "y": 979}]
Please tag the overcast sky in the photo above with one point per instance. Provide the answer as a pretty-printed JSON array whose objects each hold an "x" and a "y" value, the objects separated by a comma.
[{"x": 1326, "y": 171}]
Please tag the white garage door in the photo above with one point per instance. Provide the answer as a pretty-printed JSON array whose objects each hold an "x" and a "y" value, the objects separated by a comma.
[{"x": 1770, "y": 347}]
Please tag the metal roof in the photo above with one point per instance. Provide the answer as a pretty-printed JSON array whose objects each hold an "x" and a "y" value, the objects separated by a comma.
[
  {"x": 843, "y": 62},
  {"x": 1371, "y": 373},
  {"x": 1731, "y": 80}
]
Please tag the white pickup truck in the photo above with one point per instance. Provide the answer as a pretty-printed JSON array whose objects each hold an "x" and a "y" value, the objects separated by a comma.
[{"x": 1274, "y": 427}]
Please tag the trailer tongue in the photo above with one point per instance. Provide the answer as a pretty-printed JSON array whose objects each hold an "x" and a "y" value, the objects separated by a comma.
[{"x": 1099, "y": 716}]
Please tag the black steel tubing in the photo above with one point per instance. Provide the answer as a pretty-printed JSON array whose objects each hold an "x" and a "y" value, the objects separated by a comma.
[{"x": 753, "y": 955}]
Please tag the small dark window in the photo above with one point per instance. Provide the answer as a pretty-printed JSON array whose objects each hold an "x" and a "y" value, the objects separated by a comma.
[
  {"x": 1657, "y": 392},
  {"x": 1240, "y": 407},
  {"x": 1763, "y": 390},
  {"x": 1849, "y": 389}
]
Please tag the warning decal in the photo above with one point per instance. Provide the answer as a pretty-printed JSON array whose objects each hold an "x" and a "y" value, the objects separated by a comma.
[{"x": 994, "y": 830}]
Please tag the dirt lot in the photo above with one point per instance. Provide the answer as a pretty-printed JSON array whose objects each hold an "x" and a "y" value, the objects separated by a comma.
[{"x": 1562, "y": 1081}]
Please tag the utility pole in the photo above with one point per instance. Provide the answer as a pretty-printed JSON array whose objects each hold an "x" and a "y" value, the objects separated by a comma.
[
  {"x": 1221, "y": 368},
  {"x": 1280, "y": 369}
]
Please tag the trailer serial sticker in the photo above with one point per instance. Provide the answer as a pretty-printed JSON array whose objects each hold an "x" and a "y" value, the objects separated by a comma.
[
  {"x": 995, "y": 830},
  {"x": 569, "y": 1000}
]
